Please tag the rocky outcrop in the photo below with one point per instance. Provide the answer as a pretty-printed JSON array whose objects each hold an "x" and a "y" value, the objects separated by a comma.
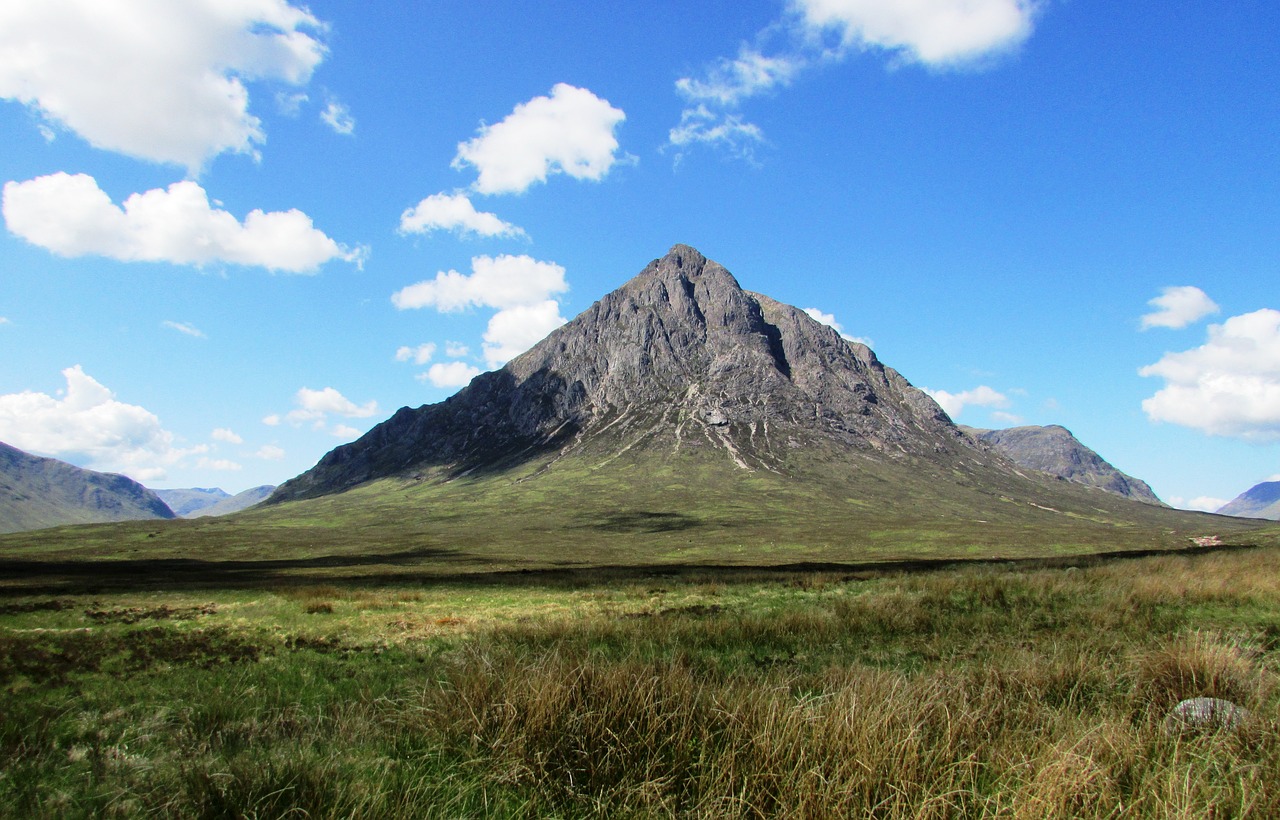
[
  {"x": 1260, "y": 501},
  {"x": 1054, "y": 450},
  {"x": 38, "y": 492},
  {"x": 679, "y": 354}
]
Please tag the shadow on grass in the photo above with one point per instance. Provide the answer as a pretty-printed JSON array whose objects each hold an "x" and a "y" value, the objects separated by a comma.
[
  {"x": 640, "y": 521},
  {"x": 427, "y": 567}
]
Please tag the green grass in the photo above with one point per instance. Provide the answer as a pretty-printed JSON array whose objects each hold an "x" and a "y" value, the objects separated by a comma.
[
  {"x": 651, "y": 511},
  {"x": 1000, "y": 691}
]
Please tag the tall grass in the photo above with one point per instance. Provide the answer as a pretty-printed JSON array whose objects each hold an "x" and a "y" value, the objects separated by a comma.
[{"x": 993, "y": 693}]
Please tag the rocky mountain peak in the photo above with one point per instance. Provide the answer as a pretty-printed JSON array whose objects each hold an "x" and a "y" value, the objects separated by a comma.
[{"x": 679, "y": 356}]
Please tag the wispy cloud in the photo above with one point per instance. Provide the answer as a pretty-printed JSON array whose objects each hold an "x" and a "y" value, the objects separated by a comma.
[
  {"x": 938, "y": 34},
  {"x": 184, "y": 328}
]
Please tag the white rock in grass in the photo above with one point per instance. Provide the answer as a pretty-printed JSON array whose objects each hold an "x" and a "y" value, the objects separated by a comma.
[{"x": 1210, "y": 714}]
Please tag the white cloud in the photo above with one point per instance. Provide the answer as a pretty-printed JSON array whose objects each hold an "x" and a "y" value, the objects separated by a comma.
[
  {"x": 1179, "y": 307},
  {"x": 229, "y": 436},
  {"x": 222, "y": 464},
  {"x": 450, "y": 374},
  {"x": 1202, "y": 503},
  {"x": 1229, "y": 386},
  {"x": 728, "y": 82},
  {"x": 981, "y": 396},
  {"x": 570, "y": 132},
  {"x": 418, "y": 355},
  {"x": 71, "y": 216},
  {"x": 501, "y": 282},
  {"x": 454, "y": 212},
  {"x": 456, "y": 350},
  {"x": 155, "y": 79},
  {"x": 183, "y": 327},
  {"x": 272, "y": 420},
  {"x": 89, "y": 427},
  {"x": 270, "y": 452},
  {"x": 515, "y": 330},
  {"x": 315, "y": 404},
  {"x": 345, "y": 431},
  {"x": 337, "y": 117},
  {"x": 933, "y": 32},
  {"x": 829, "y": 320},
  {"x": 4, "y": 320},
  {"x": 701, "y": 125}
]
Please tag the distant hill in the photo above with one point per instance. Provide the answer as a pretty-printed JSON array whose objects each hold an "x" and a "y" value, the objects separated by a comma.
[
  {"x": 187, "y": 501},
  {"x": 199, "y": 502},
  {"x": 1054, "y": 450},
  {"x": 38, "y": 492},
  {"x": 1262, "y": 501},
  {"x": 236, "y": 503}
]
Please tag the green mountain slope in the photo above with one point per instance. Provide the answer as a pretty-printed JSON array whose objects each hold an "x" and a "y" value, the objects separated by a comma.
[{"x": 40, "y": 492}]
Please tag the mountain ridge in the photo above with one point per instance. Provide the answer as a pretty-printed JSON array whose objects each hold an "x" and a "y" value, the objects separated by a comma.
[
  {"x": 1259, "y": 501},
  {"x": 1055, "y": 450},
  {"x": 38, "y": 492}
]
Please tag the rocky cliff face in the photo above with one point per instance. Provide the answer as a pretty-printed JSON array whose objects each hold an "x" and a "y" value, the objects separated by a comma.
[
  {"x": 40, "y": 492},
  {"x": 1054, "y": 450},
  {"x": 679, "y": 356}
]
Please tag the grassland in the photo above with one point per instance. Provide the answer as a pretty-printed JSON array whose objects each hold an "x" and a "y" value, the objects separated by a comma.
[{"x": 1000, "y": 691}]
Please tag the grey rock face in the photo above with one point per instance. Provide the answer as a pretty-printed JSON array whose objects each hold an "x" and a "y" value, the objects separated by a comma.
[
  {"x": 1205, "y": 714},
  {"x": 38, "y": 492},
  {"x": 679, "y": 355},
  {"x": 1054, "y": 450},
  {"x": 1260, "y": 501}
]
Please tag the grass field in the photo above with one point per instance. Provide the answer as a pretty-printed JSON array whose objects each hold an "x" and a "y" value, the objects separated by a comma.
[{"x": 1003, "y": 691}]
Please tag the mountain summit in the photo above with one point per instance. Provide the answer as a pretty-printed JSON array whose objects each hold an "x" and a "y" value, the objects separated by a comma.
[{"x": 678, "y": 358}]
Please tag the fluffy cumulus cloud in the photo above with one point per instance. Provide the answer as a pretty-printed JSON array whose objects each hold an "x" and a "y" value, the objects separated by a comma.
[
  {"x": 450, "y": 374},
  {"x": 1178, "y": 307},
  {"x": 155, "y": 79},
  {"x": 515, "y": 330},
  {"x": 497, "y": 282},
  {"x": 955, "y": 403},
  {"x": 1229, "y": 386},
  {"x": 569, "y": 132},
  {"x": 70, "y": 215},
  {"x": 315, "y": 407},
  {"x": 454, "y": 212},
  {"x": 933, "y": 32},
  {"x": 226, "y": 435},
  {"x": 87, "y": 425},
  {"x": 519, "y": 287},
  {"x": 418, "y": 354},
  {"x": 269, "y": 452}
]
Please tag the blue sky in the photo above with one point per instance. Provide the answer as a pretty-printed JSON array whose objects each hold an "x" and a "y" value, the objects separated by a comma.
[{"x": 237, "y": 234}]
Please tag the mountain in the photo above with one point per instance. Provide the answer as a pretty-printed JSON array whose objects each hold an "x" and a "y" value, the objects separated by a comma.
[
  {"x": 680, "y": 357},
  {"x": 199, "y": 502},
  {"x": 184, "y": 502},
  {"x": 1261, "y": 501},
  {"x": 235, "y": 503},
  {"x": 1054, "y": 450},
  {"x": 679, "y": 422},
  {"x": 40, "y": 492}
]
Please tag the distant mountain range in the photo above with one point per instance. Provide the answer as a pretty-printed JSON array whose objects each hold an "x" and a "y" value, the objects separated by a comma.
[
  {"x": 38, "y": 492},
  {"x": 1260, "y": 501},
  {"x": 199, "y": 502},
  {"x": 1054, "y": 450}
]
